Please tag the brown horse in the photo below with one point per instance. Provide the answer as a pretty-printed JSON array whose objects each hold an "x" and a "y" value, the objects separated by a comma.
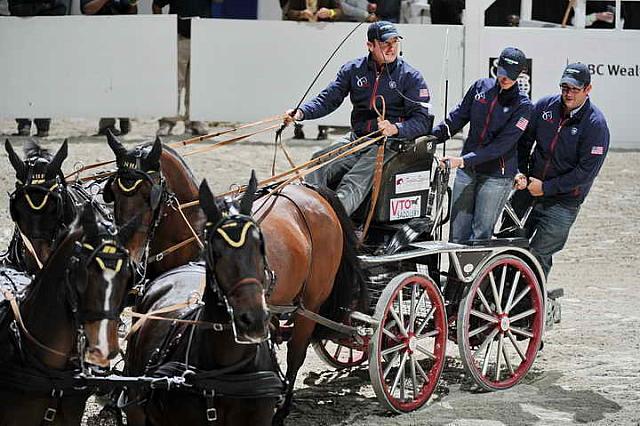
[
  {"x": 234, "y": 375},
  {"x": 70, "y": 312},
  {"x": 152, "y": 181},
  {"x": 311, "y": 247}
]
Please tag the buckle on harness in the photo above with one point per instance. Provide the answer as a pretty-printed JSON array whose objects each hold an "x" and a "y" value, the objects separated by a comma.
[
  {"x": 212, "y": 414},
  {"x": 159, "y": 257},
  {"x": 50, "y": 415},
  {"x": 218, "y": 327}
]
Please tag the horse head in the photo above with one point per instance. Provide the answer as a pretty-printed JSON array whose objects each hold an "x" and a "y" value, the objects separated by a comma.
[
  {"x": 236, "y": 266},
  {"x": 98, "y": 281},
  {"x": 40, "y": 205},
  {"x": 136, "y": 189}
]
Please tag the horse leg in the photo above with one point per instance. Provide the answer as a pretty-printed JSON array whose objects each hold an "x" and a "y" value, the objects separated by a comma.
[{"x": 296, "y": 353}]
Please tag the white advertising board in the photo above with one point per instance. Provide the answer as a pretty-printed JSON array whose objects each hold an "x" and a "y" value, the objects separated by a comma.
[
  {"x": 246, "y": 70},
  {"x": 613, "y": 56},
  {"x": 88, "y": 66}
]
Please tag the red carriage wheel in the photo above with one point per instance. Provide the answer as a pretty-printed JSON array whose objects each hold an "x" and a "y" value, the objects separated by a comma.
[
  {"x": 500, "y": 323},
  {"x": 407, "y": 351}
]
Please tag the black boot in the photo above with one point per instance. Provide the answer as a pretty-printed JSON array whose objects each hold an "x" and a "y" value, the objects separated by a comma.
[
  {"x": 298, "y": 133},
  {"x": 323, "y": 133}
]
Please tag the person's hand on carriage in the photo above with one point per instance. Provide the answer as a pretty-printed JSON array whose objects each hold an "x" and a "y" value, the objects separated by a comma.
[
  {"x": 520, "y": 182},
  {"x": 535, "y": 187},
  {"x": 387, "y": 128},
  {"x": 293, "y": 115},
  {"x": 454, "y": 162}
]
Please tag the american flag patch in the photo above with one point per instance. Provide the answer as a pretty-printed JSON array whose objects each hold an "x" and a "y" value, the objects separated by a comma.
[
  {"x": 522, "y": 123},
  {"x": 424, "y": 93},
  {"x": 597, "y": 150}
]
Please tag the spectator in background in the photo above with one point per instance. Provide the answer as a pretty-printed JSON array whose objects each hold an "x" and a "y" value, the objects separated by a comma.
[
  {"x": 357, "y": 11},
  {"x": 185, "y": 9},
  {"x": 631, "y": 15},
  {"x": 385, "y": 10},
  {"x": 502, "y": 13},
  {"x": 312, "y": 11},
  {"x": 26, "y": 8},
  {"x": 599, "y": 14},
  {"x": 110, "y": 7},
  {"x": 447, "y": 12}
]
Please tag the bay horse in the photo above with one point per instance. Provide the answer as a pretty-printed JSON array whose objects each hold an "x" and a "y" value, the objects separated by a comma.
[
  {"x": 233, "y": 375},
  {"x": 41, "y": 206},
  {"x": 68, "y": 316},
  {"x": 153, "y": 180}
]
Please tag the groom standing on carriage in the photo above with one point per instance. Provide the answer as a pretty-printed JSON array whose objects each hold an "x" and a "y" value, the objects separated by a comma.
[{"x": 388, "y": 96}]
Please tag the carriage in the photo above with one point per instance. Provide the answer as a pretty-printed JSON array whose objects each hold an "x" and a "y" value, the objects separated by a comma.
[{"x": 496, "y": 315}]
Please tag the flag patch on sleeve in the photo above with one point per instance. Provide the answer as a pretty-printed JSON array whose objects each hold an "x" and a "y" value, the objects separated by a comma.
[
  {"x": 424, "y": 93},
  {"x": 597, "y": 150},
  {"x": 522, "y": 123}
]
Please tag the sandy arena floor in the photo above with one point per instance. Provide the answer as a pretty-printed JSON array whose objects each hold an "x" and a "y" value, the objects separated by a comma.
[{"x": 589, "y": 370}]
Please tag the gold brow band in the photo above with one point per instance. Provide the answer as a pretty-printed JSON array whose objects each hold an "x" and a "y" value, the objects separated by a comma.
[
  {"x": 131, "y": 188},
  {"x": 243, "y": 235},
  {"x": 44, "y": 201}
]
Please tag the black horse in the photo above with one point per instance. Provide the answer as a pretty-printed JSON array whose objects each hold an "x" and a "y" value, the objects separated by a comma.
[
  {"x": 67, "y": 316},
  {"x": 228, "y": 359},
  {"x": 42, "y": 206}
]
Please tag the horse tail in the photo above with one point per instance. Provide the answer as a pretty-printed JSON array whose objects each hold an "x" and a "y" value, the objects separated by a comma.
[{"x": 349, "y": 285}]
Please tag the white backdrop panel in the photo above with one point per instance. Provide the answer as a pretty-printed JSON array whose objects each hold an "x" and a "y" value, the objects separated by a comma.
[
  {"x": 606, "y": 51},
  {"x": 245, "y": 70},
  {"x": 88, "y": 66}
]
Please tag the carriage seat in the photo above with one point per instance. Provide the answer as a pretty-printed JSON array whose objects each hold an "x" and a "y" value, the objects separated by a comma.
[{"x": 405, "y": 182}]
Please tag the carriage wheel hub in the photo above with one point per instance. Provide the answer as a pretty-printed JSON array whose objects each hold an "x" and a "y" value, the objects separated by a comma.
[
  {"x": 412, "y": 344},
  {"x": 504, "y": 323}
]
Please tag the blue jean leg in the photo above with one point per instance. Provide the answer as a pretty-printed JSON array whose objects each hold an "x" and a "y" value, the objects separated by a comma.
[
  {"x": 477, "y": 201},
  {"x": 549, "y": 224}
]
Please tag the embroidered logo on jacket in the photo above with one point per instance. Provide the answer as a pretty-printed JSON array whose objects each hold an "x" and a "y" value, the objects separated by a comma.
[
  {"x": 481, "y": 97},
  {"x": 362, "y": 82},
  {"x": 547, "y": 116}
]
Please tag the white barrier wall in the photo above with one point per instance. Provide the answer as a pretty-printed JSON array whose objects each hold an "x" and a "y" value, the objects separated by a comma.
[
  {"x": 613, "y": 56},
  {"x": 246, "y": 70},
  {"x": 88, "y": 66}
]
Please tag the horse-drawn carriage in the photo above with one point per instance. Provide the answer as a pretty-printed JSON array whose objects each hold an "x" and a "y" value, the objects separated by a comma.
[
  {"x": 497, "y": 321},
  {"x": 295, "y": 251}
]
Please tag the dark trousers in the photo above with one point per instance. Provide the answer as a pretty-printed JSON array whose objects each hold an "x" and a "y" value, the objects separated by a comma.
[{"x": 42, "y": 124}]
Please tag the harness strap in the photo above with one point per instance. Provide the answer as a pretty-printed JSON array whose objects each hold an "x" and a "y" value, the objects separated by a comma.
[
  {"x": 8, "y": 295},
  {"x": 158, "y": 257},
  {"x": 377, "y": 179},
  {"x": 29, "y": 246}
]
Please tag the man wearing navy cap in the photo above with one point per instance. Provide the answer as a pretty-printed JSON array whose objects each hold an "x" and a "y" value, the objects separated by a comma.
[
  {"x": 572, "y": 140},
  {"x": 497, "y": 113},
  {"x": 379, "y": 75}
]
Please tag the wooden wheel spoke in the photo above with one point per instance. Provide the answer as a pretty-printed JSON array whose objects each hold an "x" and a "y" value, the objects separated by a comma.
[
  {"x": 512, "y": 293},
  {"x": 484, "y": 316},
  {"x": 427, "y": 319},
  {"x": 398, "y": 320},
  {"x": 494, "y": 290},
  {"x": 506, "y": 359},
  {"x": 388, "y": 333},
  {"x": 480, "y": 329},
  {"x": 522, "y": 315},
  {"x": 486, "y": 341},
  {"x": 431, "y": 333},
  {"x": 425, "y": 351},
  {"x": 413, "y": 308},
  {"x": 487, "y": 355},
  {"x": 522, "y": 294},
  {"x": 521, "y": 332},
  {"x": 386, "y": 371},
  {"x": 392, "y": 349},
  {"x": 498, "y": 356},
  {"x": 399, "y": 373},
  {"x": 515, "y": 345},
  {"x": 484, "y": 301},
  {"x": 421, "y": 372}
]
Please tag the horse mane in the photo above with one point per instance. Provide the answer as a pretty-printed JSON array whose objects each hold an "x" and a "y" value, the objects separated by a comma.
[
  {"x": 178, "y": 158},
  {"x": 33, "y": 149}
]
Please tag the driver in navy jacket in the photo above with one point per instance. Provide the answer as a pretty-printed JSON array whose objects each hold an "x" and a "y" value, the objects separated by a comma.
[
  {"x": 368, "y": 80},
  {"x": 571, "y": 139}
]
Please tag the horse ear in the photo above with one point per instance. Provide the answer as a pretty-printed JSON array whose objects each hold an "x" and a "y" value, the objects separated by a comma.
[
  {"x": 55, "y": 165},
  {"x": 118, "y": 149},
  {"x": 249, "y": 194},
  {"x": 88, "y": 221},
  {"x": 155, "y": 153},
  {"x": 15, "y": 161},
  {"x": 208, "y": 203}
]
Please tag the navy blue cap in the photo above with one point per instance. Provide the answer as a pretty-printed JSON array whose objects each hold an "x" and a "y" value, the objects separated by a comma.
[
  {"x": 576, "y": 75},
  {"x": 382, "y": 30},
  {"x": 511, "y": 63}
]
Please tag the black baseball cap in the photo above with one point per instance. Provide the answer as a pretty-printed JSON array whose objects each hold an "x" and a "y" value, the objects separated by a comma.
[
  {"x": 576, "y": 75},
  {"x": 511, "y": 63},
  {"x": 382, "y": 30}
]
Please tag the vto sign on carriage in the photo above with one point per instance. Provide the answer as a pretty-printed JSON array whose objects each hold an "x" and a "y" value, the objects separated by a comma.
[
  {"x": 411, "y": 182},
  {"x": 404, "y": 208},
  {"x": 615, "y": 70}
]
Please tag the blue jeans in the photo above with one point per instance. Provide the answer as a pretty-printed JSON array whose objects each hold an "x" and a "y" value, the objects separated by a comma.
[
  {"x": 548, "y": 228},
  {"x": 476, "y": 202}
]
